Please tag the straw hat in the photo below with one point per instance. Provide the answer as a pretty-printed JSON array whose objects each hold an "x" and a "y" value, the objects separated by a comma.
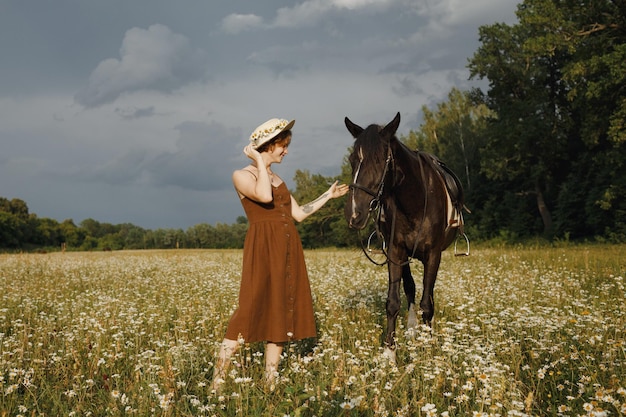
[{"x": 269, "y": 130}]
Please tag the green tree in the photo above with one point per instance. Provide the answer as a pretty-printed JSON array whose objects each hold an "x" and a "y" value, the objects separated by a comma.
[
  {"x": 10, "y": 230},
  {"x": 557, "y": 82},
  {"x": 528, "y": 140},
  {"x": 17, "y": 228},
  {"x": 169, "y": 239},
  {"x": 593, "y": 198},
  {"x": 199, "y": 235},
  {"x": 132, "y": 236},
  {"x": 92, "y": 228},
  {"x": 455, "y": 133},
  {"x": 153, "y": 239},
  {"x": 48, "y": 233},
  {"x": 14, "y": 206},
  {"x": 326, "y": 226},
  {"x": 73, "y": 236}
]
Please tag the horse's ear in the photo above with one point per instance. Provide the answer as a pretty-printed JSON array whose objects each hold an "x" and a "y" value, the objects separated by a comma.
[
  {"x": 355, "y": 130},
  {"x": 391, "y": 128}
]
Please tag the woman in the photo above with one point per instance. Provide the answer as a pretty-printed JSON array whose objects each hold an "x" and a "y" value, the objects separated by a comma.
[{"x": 275, "y": 303}]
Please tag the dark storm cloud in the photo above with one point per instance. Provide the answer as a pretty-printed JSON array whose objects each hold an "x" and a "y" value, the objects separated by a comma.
[
  {"x": 154, "y": 58},
  {"x": 137, "y": 111},
  {"x": 203, "y": 160}
]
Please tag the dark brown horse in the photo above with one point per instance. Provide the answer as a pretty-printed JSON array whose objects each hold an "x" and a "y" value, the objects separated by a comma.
[{"x": 404, "y": 192}]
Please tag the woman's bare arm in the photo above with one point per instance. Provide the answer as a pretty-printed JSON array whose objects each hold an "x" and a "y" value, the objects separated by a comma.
[{"x": 300, "y": 213}]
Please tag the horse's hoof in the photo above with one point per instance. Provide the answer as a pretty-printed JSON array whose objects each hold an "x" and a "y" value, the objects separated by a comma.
[{"x": 390, "y": 355}]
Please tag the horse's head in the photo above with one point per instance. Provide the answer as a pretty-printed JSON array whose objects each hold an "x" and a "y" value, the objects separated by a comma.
[{"x": 371, "y": 163}]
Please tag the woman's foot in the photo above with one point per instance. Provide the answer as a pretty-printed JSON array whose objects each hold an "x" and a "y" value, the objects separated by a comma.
[
  {"x": 227, "y": 348},
  {"x": 273, "y": 351}
]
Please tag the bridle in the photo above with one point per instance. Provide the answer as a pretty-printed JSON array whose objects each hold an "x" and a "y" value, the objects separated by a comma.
[
  {"x": 374, "y": 212},
  {"x": 375, "y": 202}
]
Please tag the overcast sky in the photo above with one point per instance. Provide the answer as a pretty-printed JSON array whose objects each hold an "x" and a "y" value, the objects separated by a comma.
[{"x": 137, "y": 111}]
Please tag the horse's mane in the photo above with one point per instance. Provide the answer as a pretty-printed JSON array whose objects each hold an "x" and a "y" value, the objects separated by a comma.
[{"x": 372, "y": 146}]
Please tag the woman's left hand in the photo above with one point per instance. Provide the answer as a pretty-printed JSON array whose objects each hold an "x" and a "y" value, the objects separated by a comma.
[{"x": 338, "y": 190}]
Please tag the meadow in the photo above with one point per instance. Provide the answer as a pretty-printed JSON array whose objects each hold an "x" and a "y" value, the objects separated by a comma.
[{"x": 525, "y": 331}]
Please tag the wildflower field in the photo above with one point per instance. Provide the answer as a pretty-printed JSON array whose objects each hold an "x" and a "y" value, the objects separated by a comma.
[{"x": 517, "y": 332}]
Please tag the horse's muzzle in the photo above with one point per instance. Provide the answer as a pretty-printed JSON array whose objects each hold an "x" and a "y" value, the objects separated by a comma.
[{"x": 357, "y": 221}]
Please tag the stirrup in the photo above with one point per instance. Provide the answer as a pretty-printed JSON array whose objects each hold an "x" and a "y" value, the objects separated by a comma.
[
  {"x": 381, "y": 251},
  {"x": 467, "y": 252}
]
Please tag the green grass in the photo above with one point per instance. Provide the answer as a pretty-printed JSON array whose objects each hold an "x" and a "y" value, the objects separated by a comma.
[{"x": 517, "y": 331}]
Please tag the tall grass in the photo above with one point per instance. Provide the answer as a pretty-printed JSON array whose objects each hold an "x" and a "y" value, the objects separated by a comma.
[{"x": 517, "y": 332}]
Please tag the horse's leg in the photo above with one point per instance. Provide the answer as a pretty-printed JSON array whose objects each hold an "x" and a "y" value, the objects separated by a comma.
[
  {"x": 392, "y": 308},
  {"x": 409, "y": 290},
  {"x": 431, "y": 266}
]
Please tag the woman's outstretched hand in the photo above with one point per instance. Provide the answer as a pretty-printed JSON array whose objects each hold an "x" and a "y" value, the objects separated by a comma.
[{"x": 337, "y": 190}]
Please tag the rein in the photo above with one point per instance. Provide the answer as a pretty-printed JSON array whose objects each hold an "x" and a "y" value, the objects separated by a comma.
[
  {"x": 375, "y": 203},
  {"x": 375, "y": 206}
]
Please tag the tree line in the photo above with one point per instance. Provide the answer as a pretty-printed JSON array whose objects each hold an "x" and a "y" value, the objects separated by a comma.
[
  {"x": 541, "y": 151},
  {"x": 22, "y": 230}
]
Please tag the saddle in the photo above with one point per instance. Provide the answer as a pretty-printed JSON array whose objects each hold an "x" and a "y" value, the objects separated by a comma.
[
  {"x": 456, "y": 200},
  {"x": 452, "y": 182}
]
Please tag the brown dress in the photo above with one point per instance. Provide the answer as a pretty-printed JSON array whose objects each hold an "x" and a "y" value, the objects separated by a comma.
[{"x": 275, "y": 302}]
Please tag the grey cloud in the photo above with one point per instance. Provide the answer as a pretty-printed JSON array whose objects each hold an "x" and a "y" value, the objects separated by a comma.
[
  {"x": 134, "y": 113},
  {"x": 278, "y": 65},
  {"x": 236, "y": 23},
  {"x": 407, "y": 87},
  {"x": 155, "y": 58},
  {"x": 123, "y": 170},
  {"x": 314, "y": 60},
  {"x": 305, "y": 14},
  {"x": 202, "y": 161},
  {"x": 310, "y": 12}
]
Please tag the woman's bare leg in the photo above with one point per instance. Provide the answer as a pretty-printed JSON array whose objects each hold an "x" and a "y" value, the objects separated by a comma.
[
  {"x": 227, "y": 349},
  {"x": 272, "y": 359}
]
